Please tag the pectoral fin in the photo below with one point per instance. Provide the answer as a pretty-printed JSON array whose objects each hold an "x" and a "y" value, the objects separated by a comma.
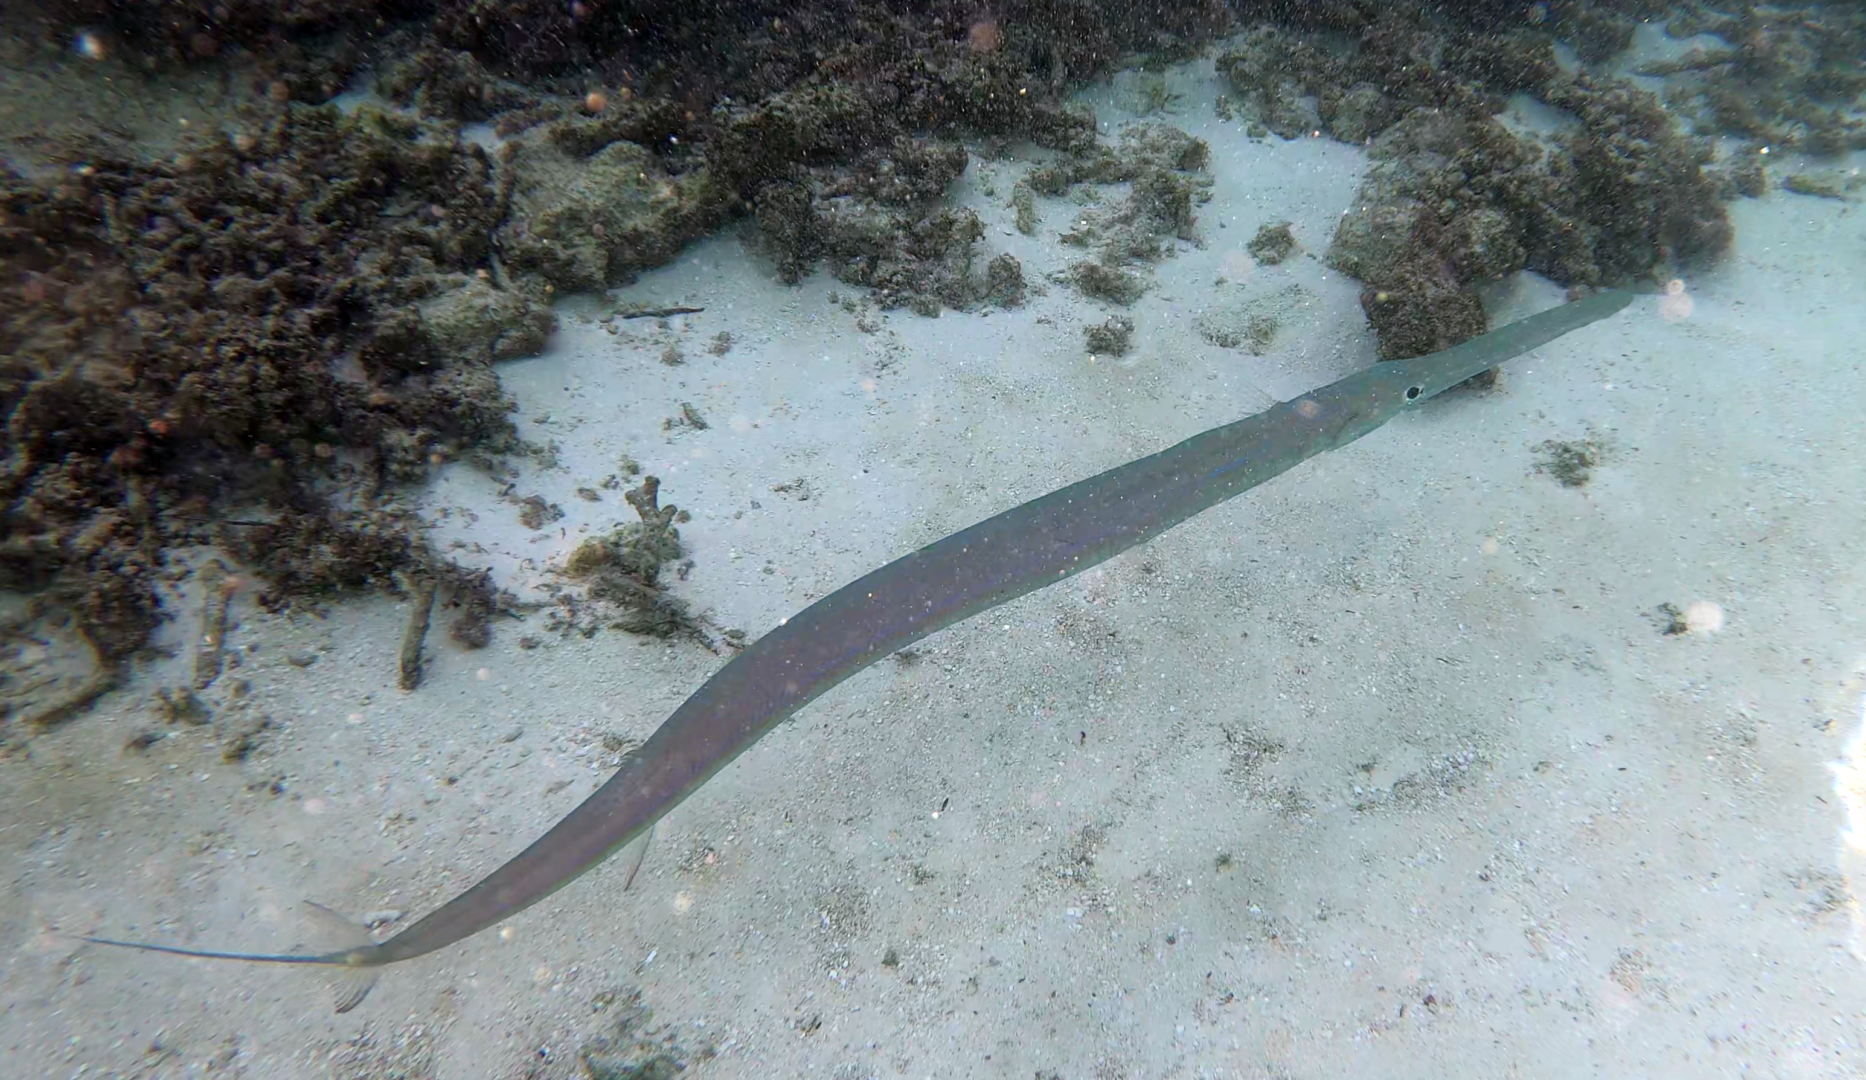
[{"x": 633, "y": 853}]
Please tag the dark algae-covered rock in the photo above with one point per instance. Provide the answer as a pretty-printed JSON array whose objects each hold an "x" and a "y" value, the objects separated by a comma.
[
  {"x": 267, "y": 316},
  {"x": 582, "y": 221},
  {"x": 299, "y": 308},
  {"x": 1456, "y": 198}
]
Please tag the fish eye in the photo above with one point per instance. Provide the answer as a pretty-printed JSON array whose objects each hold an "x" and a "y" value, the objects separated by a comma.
[{"x": 1413, "y": 392}]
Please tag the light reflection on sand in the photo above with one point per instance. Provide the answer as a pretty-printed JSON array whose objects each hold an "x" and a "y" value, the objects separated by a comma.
[{"x": 1850, "y": 785}]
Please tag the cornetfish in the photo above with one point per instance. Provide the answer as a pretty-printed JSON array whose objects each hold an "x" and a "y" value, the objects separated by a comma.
[{"x": 1018, "y": 551}]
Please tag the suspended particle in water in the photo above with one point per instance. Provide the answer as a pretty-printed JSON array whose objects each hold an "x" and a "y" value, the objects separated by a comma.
[
  {"x": 88, "y": 45},
  {"x": 1676, "y": 304},
  {"x": 984, "y": 35},
  {"x": 1703, "y": 617},
  {"x": 1238, "y": 265}
]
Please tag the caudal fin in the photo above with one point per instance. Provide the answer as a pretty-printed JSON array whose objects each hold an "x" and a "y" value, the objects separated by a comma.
[{"x": 344, "y": 946}]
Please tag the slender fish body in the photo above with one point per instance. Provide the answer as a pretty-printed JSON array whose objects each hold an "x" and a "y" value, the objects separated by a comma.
[{"x": 1004, "y": 557}]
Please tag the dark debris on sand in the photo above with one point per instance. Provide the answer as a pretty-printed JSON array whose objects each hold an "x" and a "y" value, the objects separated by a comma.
[{"x": 621, "y": 573}]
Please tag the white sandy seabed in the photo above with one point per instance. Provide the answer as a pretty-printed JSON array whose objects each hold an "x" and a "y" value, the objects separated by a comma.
[{"x": 1385, "y": 768}]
